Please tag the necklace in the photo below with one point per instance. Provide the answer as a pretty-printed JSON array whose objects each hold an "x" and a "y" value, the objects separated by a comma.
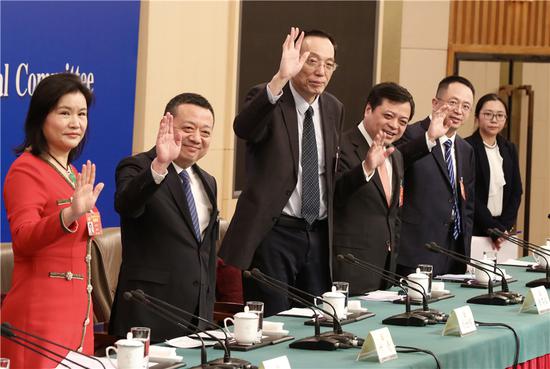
[
  {"x": 67, "y": 168},
  {"x": 490, "y": 146}
]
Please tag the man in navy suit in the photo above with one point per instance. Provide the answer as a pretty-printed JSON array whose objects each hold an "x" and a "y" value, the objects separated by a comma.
[
  {"x": 169, "y": 221},
  {"x": 282, "y": 222},
  {"x": 439, "y": 186}
]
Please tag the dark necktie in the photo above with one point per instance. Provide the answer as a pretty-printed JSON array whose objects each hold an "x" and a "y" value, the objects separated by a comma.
[
  {"x": 449, "y": 161},
  {"x": 190, "y": 203},
  {"x": 310, "y": 170}
]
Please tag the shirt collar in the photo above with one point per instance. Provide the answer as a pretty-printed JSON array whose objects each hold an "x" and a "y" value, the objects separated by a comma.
[
  {"x": 180, "y": 169},
  {"x": 364, "y": 132},
  {"x": 301, "y": 104}
]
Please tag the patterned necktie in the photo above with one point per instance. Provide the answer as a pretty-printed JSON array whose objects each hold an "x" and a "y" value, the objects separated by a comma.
[
  {"x": 385, "y": 179},
  {"x": 190, "y": 203},
  {"x": 310, "y": 170},
  {"x": 449, "y": 161}
]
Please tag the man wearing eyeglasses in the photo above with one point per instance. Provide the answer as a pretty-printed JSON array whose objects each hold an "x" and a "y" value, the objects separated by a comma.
[
  {"x": 439, "y": 186},
  {"x": 291, "y": 126}
]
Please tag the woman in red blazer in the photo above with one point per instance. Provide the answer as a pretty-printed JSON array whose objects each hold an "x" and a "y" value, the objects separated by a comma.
[
  {"x": 49, "y": 206},
  {"x": 498, "y": 182}
]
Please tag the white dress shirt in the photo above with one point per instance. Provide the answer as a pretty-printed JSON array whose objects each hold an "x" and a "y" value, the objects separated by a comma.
[
  {"x": 294, "y": 205},
  {"x": 496, "y": 180}
]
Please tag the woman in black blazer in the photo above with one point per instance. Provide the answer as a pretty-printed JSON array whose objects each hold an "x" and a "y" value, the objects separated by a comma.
[{"x": 498, "y": 186}]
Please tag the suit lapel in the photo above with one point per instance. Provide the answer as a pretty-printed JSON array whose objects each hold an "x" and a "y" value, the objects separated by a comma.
[
  {"x": 210, "y": 192},
  {"x": 288, "y": 108},
  {"x": 176, "y": 189},
  {"x": 361, "y": 149},
  {"x": 397, "y": 174},
  {"x": 328, "y": 117},
  {"x": 482, "y": 161}
]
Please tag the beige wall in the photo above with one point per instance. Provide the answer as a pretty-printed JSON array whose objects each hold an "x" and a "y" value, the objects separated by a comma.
[{"x": 190, "y": 46}]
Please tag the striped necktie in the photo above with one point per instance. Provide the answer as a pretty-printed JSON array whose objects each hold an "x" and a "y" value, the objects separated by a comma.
[
  {"x": 449, "y": 161},
  {"x": 190, "y": 203},
  {"x": 310, "y": 170}
]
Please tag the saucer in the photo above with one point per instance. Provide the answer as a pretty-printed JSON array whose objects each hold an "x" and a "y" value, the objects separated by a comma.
[
  {"x": 358, "y": 311},
  {"x": 281, "y": 333},
  {"x": 439, "y": 293},
  {"x": 166, "y": 359}
]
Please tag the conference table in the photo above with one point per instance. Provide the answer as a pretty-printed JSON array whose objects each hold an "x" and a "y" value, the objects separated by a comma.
[{"x": 488, "y": 347}]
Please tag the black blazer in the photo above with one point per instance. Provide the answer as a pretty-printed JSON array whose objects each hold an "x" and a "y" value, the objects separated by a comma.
[
  {"x": 428, "y": 198},
  {"x": 364, "y": 225},
  {"x": 512, "y": 189},
  {"x": 271, "y": 135},
  {"x": 160, "y": 253}
]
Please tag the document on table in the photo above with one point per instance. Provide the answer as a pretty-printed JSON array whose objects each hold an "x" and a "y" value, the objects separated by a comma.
[
  {"x": 519, "y": 263},
  {"x": 299, "y": 312},
  {"x": 380, "y": 296},
  {"x": 188, "y": 342},
  {"x": 455, "y": 277}
]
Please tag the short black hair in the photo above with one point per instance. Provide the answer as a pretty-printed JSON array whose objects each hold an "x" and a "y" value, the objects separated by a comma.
[
  {"x": 44, "y": 99},
  {"x": 187, "y": 98},
  {"x": 489, "y": 97},
  {"x": 445, "y": 82},
  {"x": 392, "y": 92},
  {"x": 321, "y": 34}
]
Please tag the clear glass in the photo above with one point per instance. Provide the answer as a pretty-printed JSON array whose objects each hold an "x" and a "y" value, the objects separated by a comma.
[
  {"x": 257, "y": 307},
  {"x": 343, "y": 287},
  {"x": 143, "y": 334},
  {"x": 427, "y": 269}
]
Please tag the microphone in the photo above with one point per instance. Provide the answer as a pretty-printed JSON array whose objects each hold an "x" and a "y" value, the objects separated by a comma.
[
  {"x": 8, "y": 331},
  {"x": 140, "y": 297},
  {"x": 531, "y": 247},
  {"x": 227, "y": 355},
  {"x": 327, "y": 341},
  {"x": 408, "y": 318},
  {"x": 490, "y": 298},
  {"x": 426, "y": 311}
]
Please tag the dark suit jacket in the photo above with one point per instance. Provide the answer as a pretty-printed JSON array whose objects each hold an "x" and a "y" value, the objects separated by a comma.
[
  {"x": 271, "y": 134},
  {"x": 428, "y": 198},
  {"x": 483, "y": 219},
  {"x": 160, "y": 253},
  {"x": 364, "y": 225}
]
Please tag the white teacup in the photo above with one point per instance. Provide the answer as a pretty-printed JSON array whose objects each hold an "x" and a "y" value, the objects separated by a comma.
[
  {"x": 246, "y": 327},
  {"x": 337, "y": 300},
  {"x": 483, "y": 277},
  {"x": 354, "y": 305},
  {"x": 438, "y": 286},
  {"x": 273, "y": 326},
  {"x": 129, "y": 354},
  {"x": 419, "y": 278},
  {"x": 545, "y": 250}
]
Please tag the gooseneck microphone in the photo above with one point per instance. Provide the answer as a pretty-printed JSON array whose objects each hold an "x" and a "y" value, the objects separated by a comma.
[
  {"x": 327, "y": 341},
  {"x": 227, "y": 362},
  {"x": 8, "y": 332},
  {"x": 490, "y": 298},
  {"x": 531, "y": 247},
  {"x": 416, "y": 318}
]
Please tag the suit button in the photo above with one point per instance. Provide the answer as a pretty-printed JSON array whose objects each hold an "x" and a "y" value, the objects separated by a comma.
[
  {"x": 274, "y": 219},
  {"x": 195, "y": 283}
]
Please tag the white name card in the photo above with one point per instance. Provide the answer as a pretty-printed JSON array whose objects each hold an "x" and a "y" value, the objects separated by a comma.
[
  {"x": 460, "y": 322},
  {"x": 536, "y": 299},
  {"x": 379, "y": 344},
  {"x": 280, "y": 362}
]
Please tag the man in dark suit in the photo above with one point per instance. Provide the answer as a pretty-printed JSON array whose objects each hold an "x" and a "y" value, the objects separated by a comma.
[
  {"x": 281, "y": 223},
  {"x": 367, "y": 199},
  {"x": 438, "y": 187},
  {"x": 168, "y": 212}
]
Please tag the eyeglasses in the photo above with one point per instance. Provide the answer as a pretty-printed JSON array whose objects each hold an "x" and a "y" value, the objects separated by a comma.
[
  {"x": 315, "y": 62},
  {"x": 455, "y": 104},
  {"x": 489, "y": 115}
]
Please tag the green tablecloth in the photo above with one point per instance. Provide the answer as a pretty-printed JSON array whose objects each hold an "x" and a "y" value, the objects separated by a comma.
[{"x": 488, "y": 347}]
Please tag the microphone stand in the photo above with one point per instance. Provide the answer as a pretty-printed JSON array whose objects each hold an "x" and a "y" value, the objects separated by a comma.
[
  {"x": 345, "y": 338},
  {"x": 489, "y": 298},
  {"x": 327, "y": 341},
  {"x": 426, "y": 311},
  {"x": 408, "y": 318},
  {"x": 515, "y": 298},
  {"x": 174, "y": 318},
  {"x": 534, "y": 249},
  {"x": 227, "y": 351},
  {"x": 7, "y": 331}
]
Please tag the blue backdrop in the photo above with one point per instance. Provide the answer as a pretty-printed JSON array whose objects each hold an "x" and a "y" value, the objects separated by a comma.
[{"x": 96, "y": 39}]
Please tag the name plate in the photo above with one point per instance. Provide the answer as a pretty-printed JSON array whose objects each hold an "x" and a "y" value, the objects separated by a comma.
[
  {"x": 461, "y": 322},
  {"x": 280, "y": 362},
  {"x": 536, "y": 299},
  {"x": 378, "y": 344}
]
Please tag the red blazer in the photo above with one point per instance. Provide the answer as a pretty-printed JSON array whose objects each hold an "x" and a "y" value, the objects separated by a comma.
[{"x": 56, "y": 308}]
